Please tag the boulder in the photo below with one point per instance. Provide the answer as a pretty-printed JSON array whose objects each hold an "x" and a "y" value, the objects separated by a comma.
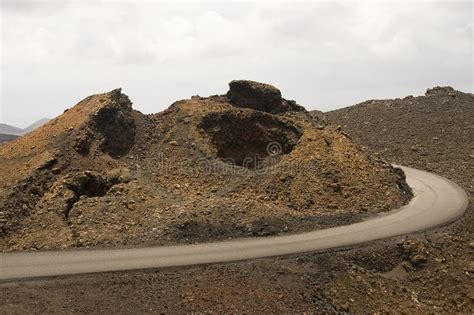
[
  {"x": 415, "y": 252},
  {"x": 259, "y": 96}
]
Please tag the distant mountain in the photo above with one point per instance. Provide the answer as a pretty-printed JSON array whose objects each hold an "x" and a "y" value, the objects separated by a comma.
[
  {"x": 10, "y": 130},
  {"x": 35, "y": 125},
  {"x": 6, "y": 138},
  {"x": 8, "y": 133}
]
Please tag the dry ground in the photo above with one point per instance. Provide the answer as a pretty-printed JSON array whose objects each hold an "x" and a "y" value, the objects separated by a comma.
[{"x": 430, "y": 271}]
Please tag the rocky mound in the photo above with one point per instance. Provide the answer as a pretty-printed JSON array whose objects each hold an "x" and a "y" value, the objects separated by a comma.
[
  {"x": 248, "y": 163},
  {"x": 437, "y": 123}
]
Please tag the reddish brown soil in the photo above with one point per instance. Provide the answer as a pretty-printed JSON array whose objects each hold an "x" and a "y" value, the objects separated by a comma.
[{"x": 205, "y": 169}]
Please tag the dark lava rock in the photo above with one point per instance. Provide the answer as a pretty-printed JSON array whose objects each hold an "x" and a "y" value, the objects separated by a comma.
[
  {"x": 415, "y": 251},
  {"x": 259, "y": 96}
]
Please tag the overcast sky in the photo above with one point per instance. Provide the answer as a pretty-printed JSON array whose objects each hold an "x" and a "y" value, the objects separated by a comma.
[{"x": 324, "y": 55}]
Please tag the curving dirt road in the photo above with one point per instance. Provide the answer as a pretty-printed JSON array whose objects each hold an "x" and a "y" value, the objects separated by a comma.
[{"x": 437, "y": 201}]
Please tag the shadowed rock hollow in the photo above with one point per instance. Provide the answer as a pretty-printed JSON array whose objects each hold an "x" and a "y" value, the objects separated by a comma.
[
  {"x": 248, "y": 163},
  {"x": 245, "y": 138}
]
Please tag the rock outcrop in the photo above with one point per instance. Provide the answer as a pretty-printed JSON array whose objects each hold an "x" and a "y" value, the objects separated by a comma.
[
  {"x": 440, "y": 90},
  {"x": 259, "y": 96}
]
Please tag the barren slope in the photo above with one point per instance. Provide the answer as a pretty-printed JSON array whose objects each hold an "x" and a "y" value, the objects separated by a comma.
[
  {"x": 248, "y": 163},
  {"x": 430, "y": 272}
]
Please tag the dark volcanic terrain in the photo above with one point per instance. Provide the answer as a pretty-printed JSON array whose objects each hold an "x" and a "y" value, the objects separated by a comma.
[
  {"x": 248, "y": 163},
  {"x": 412, "y": 128},
  {"x": 430, "y": 271}
]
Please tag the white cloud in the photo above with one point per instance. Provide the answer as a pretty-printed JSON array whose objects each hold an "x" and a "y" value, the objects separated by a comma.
[{"x": 323, "y": 54}]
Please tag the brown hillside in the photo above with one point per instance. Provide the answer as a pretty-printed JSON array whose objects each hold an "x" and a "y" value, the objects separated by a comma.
[{"x": 248, "y": 163}]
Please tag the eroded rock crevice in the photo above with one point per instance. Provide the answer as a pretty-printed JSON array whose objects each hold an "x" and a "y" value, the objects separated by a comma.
[
  {"x": 117, "y": 128},
  {"x": 111, "y": 130}
]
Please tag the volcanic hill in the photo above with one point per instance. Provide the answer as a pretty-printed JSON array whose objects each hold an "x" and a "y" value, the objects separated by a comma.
[{"x": 247, "y": 163}]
